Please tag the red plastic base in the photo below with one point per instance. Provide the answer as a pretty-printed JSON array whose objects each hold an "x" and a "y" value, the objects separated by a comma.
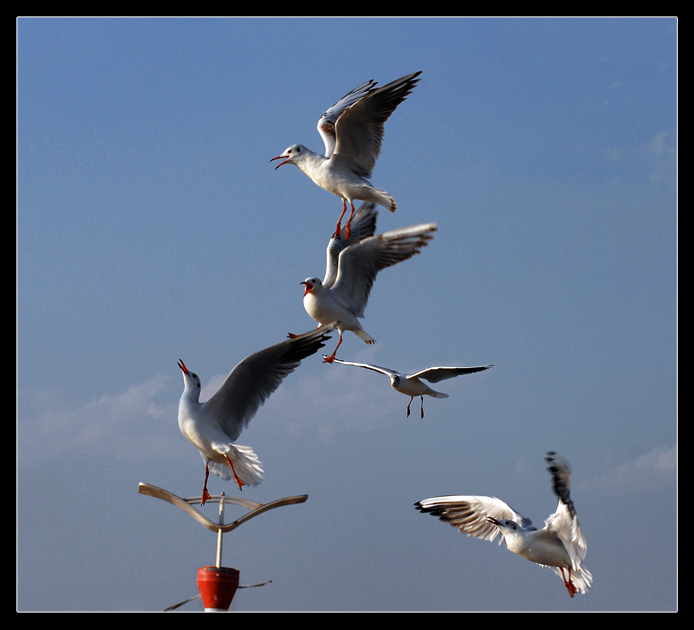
[{"x": 217, "y": 586}]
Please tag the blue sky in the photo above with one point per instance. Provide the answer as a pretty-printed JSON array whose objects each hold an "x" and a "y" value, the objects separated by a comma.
[{"x": 151, "y": 226}]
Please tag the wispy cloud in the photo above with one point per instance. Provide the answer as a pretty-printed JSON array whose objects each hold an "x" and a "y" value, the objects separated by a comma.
[
  {"x": 333, "y": 401},
  {"x": 651, "y": 471},
  {"x": 128, "y": 425},
  {"x": 654, "y": 161},
  {"x": 141, "y": 422}
]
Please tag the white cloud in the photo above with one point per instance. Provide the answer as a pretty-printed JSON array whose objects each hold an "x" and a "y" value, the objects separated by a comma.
[
  {"x": 141, "y": 422},
  {"x": 129, "y": 425},
  {"x": 332, "y": 400},
  {"x": 651, "y": 471}
]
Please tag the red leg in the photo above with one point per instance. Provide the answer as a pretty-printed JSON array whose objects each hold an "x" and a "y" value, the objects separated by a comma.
[
  {"x": 567, "y": 582},
  {"x": 339, "y": 221},
  {"x": 349, "y": 221},
  {"x": 331, "y": 358},
  {"x": 205, "y": 493},
  {"x": 239, "y": 481}
]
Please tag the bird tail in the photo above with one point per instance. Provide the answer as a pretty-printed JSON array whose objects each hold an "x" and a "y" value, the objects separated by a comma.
[
  {"x": 246, "y": 464},
  {"x": 364, "y": 336},
  {"x": 581, "y": 578},
  {"x": 382, "y": 198},
  {"x": 436, "y": 394}
]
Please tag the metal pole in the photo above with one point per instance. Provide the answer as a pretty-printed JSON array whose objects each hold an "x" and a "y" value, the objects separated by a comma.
[{"x": 219, "y": 531}]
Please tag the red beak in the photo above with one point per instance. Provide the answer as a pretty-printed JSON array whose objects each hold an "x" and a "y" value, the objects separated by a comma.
[
  {"x": 308, "y": 285},
  {"x": 279, "y": 157},
  {"x": 182, "y": 366}
]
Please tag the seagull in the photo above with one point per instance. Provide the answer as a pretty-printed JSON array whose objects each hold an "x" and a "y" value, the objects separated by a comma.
[
  {"x": 341, "y": 298},
  {"x": 214, "y": 425},
  {"x": 352, "y": 131},
  {"x": 559, "y": 545},
  {"x": 411, "y": 384},
  {"x": 363, "y": 226}
]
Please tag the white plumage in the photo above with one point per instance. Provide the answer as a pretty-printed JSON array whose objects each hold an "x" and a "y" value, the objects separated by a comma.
[
  {"x": 340, "y": 299},
  {"x": 352, "y": 131},
  {"x": 559, "y": 545},
  {"x": 214, "y": 425},
  {"x": 411, "y": 384}
]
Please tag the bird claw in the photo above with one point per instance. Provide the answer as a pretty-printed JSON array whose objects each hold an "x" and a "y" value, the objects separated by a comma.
[
  {"x": 205, "y": 496},
  {"x": 239, "y": 482},
  {"x": 570, "y": 586}
]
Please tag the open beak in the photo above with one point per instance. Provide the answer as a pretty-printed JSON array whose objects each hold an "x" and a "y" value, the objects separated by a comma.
[
  {"x": 182, "y": 366},
  {"x": 308, "y": 285},
  {"x": 493, "y": 521},
  {"x": 280, "y": 157}
]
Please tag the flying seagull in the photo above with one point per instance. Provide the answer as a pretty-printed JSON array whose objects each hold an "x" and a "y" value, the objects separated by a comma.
[
  {"x": 341, "y": 302},
  {"x": 412, "y": 385},
  {"x": 559, "y": 545},
  {"x": 352, "y": 131}
]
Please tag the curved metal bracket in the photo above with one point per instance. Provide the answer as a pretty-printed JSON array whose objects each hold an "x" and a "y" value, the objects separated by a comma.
[{"x": 185, "y": 504}]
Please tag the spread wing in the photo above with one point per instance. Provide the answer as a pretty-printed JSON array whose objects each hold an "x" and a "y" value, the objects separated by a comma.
[
  {"x": 363, "y": 225},
  {"x": 564, "y": 522},
  {"x": 436, "y": 374},
  {"x": 359, "y": 130},
  {"x": 253, "y": 380},
  {"x": 359, "y": 264},
  {"x": 326, "y": 123},
  {"x": 369, "y": 366},
  {"x": 469, "y": 514}
]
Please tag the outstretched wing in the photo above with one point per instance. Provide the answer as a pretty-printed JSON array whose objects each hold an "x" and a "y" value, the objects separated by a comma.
[
  {"x": 469, "y": 514},
  {"x": 369, "y": 366},
  {"x": 363, "y": 225},
  {"x": 359, "y": 264},
  {"x": 359, "y": 130},
  {"x": 564, "y": 522},
  {"x": 436, "y": 374},
  {"x": 326, "y": 123},
  {"x": 253, "y": 380}
]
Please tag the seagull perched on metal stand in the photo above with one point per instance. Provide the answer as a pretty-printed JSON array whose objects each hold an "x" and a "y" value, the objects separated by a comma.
[{"x": 214, "y": 425}]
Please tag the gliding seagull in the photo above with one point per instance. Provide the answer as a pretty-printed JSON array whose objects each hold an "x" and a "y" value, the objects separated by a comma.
[{"x": 411, "y": 384}]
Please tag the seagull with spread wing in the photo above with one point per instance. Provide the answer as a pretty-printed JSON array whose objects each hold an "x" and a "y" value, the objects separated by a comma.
[
  {"x": 352, "y": 131},
  {"x": 339, "y": 301},
  {"x": 213, "y": 426},
  {"x": 412, "y": 385},
  {"x": 559, "y": 545}
]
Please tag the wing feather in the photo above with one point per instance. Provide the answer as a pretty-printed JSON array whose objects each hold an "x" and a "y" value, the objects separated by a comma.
[
  {"x": 359, "y": 264},
  {"x": 359, "y": 129},
  {"x": 326, "y": 123},
  {"x": 437, "y": 374},
  {"x": 469, "y": 513},
  {"x": 255, "y": 378}
]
